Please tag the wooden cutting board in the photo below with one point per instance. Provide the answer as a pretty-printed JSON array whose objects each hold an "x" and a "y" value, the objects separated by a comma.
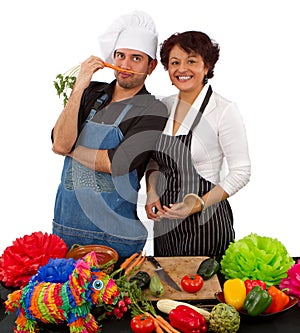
[{"x": 177, "y": 267}]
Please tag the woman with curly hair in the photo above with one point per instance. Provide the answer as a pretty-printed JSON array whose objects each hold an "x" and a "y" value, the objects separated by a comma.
[{"x": 204, "y": 130}]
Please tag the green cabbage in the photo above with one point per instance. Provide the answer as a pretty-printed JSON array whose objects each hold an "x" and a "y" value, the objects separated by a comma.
[{"x": 257, "y": 258}]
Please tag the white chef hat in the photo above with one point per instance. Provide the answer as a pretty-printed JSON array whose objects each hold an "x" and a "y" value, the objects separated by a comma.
[{"x": 132, "y": 31}]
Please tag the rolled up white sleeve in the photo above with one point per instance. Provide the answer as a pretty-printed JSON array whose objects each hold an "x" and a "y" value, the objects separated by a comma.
[{"x": 234, "y": 144}]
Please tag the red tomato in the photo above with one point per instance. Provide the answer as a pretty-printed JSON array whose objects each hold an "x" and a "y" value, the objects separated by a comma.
[
  {"x": 192, "y": 283},
  {"x": 142, "y": 324}
]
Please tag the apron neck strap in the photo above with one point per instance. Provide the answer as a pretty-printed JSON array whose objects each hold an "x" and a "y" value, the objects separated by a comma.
[
  {"x": 122, "y": 114},
  {"x": 202, "y": 108},
  {"x": 100, "y": 102}
]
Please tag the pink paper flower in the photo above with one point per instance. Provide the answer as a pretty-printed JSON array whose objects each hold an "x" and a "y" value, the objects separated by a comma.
[{"x": 292, "y": 282}]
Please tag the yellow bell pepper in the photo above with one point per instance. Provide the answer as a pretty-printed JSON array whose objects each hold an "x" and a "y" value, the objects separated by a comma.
[{"x": 234, "y": 293}]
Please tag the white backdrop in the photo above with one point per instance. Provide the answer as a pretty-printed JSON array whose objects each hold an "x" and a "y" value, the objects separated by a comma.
[{"x": 258, "y": 68}]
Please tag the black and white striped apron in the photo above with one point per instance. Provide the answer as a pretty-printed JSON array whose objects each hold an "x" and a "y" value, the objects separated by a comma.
[{"x": 201, "y": 234}]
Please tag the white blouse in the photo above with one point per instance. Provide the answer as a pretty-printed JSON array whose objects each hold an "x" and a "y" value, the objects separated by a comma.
[{"x": 219, "y": 146}]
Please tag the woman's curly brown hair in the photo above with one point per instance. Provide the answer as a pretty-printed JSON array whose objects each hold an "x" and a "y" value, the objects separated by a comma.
[{"x": 192, "y": 41}]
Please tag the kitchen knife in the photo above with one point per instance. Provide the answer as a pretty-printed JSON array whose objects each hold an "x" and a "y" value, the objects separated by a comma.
[{"x": 163, "y": 274}]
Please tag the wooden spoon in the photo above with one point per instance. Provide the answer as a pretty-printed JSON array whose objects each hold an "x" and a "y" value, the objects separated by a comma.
[{"x": 192, "y": 201}]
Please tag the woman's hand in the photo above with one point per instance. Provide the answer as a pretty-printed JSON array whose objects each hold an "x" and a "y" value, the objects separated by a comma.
[
  {"x": 153, "y": 204},
  {"x": 176, "y": 211}
]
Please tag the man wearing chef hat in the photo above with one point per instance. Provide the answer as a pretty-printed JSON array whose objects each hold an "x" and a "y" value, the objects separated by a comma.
[{"x": 107, "y": 132}]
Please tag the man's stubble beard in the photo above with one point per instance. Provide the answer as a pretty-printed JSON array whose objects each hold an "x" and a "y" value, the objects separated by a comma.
[{"x": 132, "y": 83}]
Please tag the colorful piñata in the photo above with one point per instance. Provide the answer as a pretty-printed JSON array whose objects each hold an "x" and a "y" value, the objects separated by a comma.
[{"x": 64, "y": 290}]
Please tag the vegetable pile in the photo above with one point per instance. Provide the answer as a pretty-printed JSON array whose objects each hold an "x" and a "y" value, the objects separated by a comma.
[
  {"x": 257, "y": 258},
  {"x": 253, "y": 267},
  {"x": 254, "y": 297}
]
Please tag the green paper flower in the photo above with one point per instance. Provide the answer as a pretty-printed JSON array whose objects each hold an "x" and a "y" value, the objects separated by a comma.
[{"x": 258, "y": 258}]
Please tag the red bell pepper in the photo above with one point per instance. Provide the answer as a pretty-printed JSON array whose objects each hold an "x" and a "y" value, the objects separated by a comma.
[
  {"x": 249, "y": 284},
  {"x": 279, "y": 300},
  {"x": 187, "y": 320}
]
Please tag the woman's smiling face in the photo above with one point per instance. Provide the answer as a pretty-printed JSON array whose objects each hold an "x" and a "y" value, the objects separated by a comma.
[{"x": 186, "y": 70}]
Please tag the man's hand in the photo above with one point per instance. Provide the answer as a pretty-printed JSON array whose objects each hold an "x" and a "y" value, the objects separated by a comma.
[{"x": 86, "y": 71}]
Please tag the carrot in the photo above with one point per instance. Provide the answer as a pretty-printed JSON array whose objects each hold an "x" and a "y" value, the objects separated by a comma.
[
  {"x": 158, "y": 329},
  {"x": 164, "y": 327},
  {"x": 128, "y": 260},
  {"x": 164, "y": 324},
  {"x": 140, "y": 262},
  {"x": 131, "y": 264},
  {"x": 106, "y": 64},
  {"x": 136, "y": 264}
]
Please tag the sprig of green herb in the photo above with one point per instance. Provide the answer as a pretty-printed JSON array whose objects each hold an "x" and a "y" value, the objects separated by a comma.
[
  {"x": 65, "y": 82},
  {"x": 139, "y": 302}
]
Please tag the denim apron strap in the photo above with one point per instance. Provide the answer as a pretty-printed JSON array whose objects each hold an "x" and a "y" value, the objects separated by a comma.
[
  {"x": 102, "y": 136},
  {"x": 123, "y": 114},
  {"x": 99, "y": 102}
]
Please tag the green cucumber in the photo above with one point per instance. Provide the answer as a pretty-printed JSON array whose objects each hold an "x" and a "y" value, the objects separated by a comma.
[
  {"x": 208, "y": 268},
  {"x": 156, "y": 287}
]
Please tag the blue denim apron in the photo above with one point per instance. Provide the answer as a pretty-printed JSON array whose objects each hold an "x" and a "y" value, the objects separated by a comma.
[{"x": 94, "y": 207}]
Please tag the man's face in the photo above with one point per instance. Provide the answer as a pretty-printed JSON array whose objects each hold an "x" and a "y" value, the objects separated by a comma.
[{"x": 136, "y": 61}]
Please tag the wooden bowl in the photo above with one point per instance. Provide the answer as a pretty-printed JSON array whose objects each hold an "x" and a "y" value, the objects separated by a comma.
[{"x": 104, "y": 254}]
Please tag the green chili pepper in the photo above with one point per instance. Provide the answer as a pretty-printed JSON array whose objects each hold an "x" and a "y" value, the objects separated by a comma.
[{"x": 257, "y": 301}]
